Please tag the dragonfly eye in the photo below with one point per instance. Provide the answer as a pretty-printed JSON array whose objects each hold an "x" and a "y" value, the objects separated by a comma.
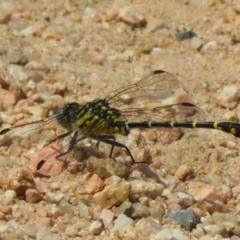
[
  {"x": 66, "y": 115},
  {"x": 63, "y": 117}
]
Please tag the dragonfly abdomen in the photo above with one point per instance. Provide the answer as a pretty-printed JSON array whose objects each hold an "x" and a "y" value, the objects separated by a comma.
[{"x": 228, "y": 127}]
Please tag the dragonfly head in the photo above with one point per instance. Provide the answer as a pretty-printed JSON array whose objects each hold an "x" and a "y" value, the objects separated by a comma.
[{"x": 66, "y": 115}]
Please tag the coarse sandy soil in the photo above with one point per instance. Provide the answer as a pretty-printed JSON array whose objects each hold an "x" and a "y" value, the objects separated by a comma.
[{"x": 55, "y": 52}]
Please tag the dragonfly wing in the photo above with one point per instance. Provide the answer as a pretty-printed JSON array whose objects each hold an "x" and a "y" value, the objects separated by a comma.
[
  {"x": 28, "y": 130},
  {"x": 156, "y": 86},
  {"x": 174, "y": 112}
]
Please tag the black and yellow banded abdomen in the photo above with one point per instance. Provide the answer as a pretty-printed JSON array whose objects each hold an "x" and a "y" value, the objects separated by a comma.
[{"x": 228, "y": 127}]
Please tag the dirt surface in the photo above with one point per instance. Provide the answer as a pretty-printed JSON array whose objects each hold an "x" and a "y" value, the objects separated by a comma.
[{"x": 56, "y": 52}]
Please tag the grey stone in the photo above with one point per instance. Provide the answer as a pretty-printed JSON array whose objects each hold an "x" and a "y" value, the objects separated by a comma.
[{"x": 187, "y": 218}]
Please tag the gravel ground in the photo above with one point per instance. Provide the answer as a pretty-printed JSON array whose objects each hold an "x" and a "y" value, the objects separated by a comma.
[{"x": 55, "y": 52}]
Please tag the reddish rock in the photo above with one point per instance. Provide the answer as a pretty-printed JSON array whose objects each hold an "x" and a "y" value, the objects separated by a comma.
[
  {"x": 94, "y": 184},
  {"x": 107, "y": 215},
  {"x": 8, "y": 98},
  {"x": 201, "y": 191},
  {"x": 46, "y": 163}
]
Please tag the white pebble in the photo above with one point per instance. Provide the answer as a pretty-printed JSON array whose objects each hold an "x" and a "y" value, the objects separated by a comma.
[
  {"x": 157, "y": 211},
  {"x": 210, "y": 47},
  {"x": 65, "y": 206},
  {"x": 30, "y": 230},
  {"x": 28, "y": 31},
  {"x": 96, "y": 227},
  {"x": 71, "y": 231},
  {"x": 83, "y": 210},
  {"x": 56, "y": 197},
  {"x": 159, "y": 52},
  {"x": 172, "y": 234},
  {"x": 10, "y": 194},
  {"x": 187, "y": 199},
  {"x": 141, "y": 188},
  {"x": 215, "y": 229},
  {"x": 123, "y": 221},
  {"x": 228, "y": 96},
  {"x": 141, "y": 210},
  {"x": 129, "y": 232},
  {"x": 195, "y": 43}
]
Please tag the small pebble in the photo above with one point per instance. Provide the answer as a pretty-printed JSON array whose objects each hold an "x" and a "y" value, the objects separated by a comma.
[
  {"x": 141, "y": 188},
  {"x": 188, "y": 200},
  {"x": 107, "y": 215},
  {"x": 28, "y": 31},
  {"x": 209, "y": 47},
  {"x": 93, "y": 184},
  {"x": 149, "y": 226},
  {"x": 183, "y": 172},
  {"x": 184, "y": 35},
  {"x": 6, "y": 209},
  {"x": 157, "y": 211},
  {"x": 105, "y": 168},
  {"x": 228, "y": 97},
  {"x": 8, "y": 98},
  {"x": 196, "y": 43},
  {"x": 55, "y": 197},
  {"x": 96, "y": 227},
  {"x": 124, "y": 208},
  {"x": 187, "y": 219},
  {"x": 172, "y": 234},
  {"x": 56, "y": 212},
  {"x": 159, "y": 52},
  {"x": 66, "y": 207},
  {"x": 83, "y": 210},
  {"x": 127, "y": 15},
  {"x": 116, "y": 191},
  {"x": 33, "y": 196},
  {"x": 10, "y": 195},
  {"x": 122, "y": 221},
  {"x": 71, "y": 231},
  {"x": 140, "y": 210},
  {"x": 128, "y": 232},
  {"x": 215, "y": 229},
  {"x": 30, "y": 230}
]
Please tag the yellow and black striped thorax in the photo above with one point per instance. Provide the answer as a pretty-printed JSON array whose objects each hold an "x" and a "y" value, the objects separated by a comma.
[{"x": 99, "y": 118}]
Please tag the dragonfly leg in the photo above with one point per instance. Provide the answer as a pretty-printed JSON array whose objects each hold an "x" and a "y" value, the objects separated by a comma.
[
  {"x": 72, "y": 143},
  {"x": 60, "y": 136},
  {"x": 111, "y": 140}
]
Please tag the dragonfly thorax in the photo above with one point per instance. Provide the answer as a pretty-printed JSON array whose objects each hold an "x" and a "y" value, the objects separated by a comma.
[{"x": 98, "y": 117}]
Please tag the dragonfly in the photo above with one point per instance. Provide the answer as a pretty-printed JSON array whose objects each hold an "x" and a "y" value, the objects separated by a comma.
[{"x": 139, "y": 105}]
